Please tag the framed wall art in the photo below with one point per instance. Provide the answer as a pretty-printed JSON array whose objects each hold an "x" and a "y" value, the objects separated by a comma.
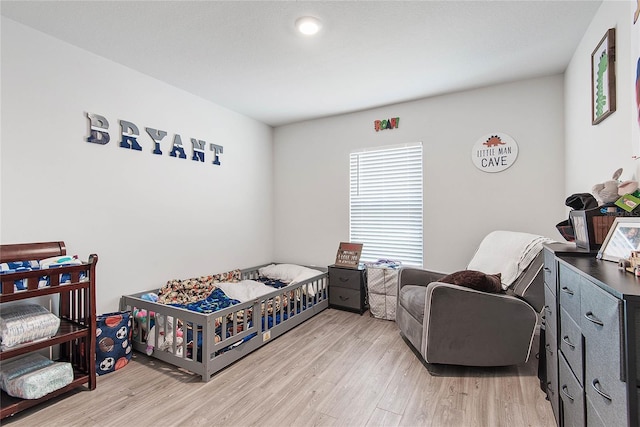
[
  {"x": 635, "y": 73},
  {"x": 622, "y": 239},
  {"x": 348, "y": 255},
  {"x": 603, "y": 78}
]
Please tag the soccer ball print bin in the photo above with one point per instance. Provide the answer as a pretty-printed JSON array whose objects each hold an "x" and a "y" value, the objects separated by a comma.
[{"x": 113, "y": 341}]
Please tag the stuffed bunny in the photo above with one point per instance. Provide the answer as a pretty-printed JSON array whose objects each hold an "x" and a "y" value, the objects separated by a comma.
[
  {"x": 627, "y": 187},
  {"x": 610, "y": 191},
  {"x": 607, "y": 192}
]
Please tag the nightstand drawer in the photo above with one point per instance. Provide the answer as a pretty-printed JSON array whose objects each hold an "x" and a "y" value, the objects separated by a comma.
[
  {"x": 344, "y": 297},
  {"x": 345, "y": 278}
]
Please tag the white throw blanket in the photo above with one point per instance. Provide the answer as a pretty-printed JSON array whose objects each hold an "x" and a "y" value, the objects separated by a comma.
[{"x": 508, "y": 253}]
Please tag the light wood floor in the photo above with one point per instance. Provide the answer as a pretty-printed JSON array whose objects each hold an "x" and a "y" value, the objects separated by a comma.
[{"x": 337, "y": 368}]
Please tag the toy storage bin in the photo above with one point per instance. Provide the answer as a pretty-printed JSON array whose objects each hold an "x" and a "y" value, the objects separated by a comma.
[{"x": 113, "y": 341}]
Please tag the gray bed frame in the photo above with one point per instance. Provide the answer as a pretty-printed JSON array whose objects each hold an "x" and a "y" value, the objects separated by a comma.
[{"x": 306, "y": 299}]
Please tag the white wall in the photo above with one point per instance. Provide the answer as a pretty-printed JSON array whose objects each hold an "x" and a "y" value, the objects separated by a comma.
[
  {"x": 149, "y": 218},
  {"x": 462, "y": 203},
  {"x": 593, "y": 153}
]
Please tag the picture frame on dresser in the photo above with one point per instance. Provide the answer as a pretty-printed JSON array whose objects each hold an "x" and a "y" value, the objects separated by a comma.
[{"x": 623, "y": 238}]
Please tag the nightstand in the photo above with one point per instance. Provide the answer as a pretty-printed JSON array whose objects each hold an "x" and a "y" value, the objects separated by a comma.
[{"x": 347, "y": 289}]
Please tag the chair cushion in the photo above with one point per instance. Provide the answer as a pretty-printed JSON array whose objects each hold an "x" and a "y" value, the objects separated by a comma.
[{"x": 412, "y": 298}]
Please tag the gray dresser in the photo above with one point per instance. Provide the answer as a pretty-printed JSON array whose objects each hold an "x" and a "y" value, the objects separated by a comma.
[{"x": 591, "y": 319}]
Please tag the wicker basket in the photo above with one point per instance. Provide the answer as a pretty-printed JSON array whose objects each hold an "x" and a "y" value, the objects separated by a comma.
[{"x": 592, "y": 226}]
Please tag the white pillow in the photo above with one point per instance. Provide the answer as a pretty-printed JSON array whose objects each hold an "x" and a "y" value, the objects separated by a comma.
[
  {"x": 245, "y": 290},
  {"x": 308, "y": 273},
  {"x": 288, "y": 273}
]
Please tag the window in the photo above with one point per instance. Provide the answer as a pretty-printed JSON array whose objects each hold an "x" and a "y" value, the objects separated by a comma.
[{"x": 385, "y": 203}]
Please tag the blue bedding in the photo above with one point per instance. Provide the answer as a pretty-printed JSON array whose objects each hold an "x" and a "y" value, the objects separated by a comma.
[
  {"x": 217, "y": 300},
  {"x": 275, "y": 283}
]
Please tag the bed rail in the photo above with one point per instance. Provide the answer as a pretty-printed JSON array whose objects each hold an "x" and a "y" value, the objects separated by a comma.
[{"x": 206, "y": 343}]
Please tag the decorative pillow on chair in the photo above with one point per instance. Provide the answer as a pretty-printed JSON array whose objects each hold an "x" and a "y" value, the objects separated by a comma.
[{"x": 475, "y": 280}]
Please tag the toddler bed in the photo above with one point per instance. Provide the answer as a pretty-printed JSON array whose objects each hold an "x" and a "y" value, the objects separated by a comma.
[{"x": 203, "y": 328}]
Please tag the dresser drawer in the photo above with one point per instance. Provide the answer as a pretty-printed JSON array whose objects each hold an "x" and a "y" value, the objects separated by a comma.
[
  {"x": 593, "y": 418},
  {"x": 550, "y": 270},
  {"x": 552, "y": 375},
  {"x": 572, "y": 395},
  {"x": 609, "y": 401},
  {"x": 550, "y": 315},
  {"x": 601, "y": 325},
  {"x": 345, "y": 278},
  {"x": 571, "y": 343},
  {"x": 345, "y": 297},
  {"x": 569, "y": 291}
]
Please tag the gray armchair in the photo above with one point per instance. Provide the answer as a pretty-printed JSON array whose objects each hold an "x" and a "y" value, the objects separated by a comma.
[{"x": 456, "y": 325}]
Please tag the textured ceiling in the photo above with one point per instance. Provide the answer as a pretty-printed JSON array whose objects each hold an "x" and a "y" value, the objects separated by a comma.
[{"x": 247, "y": 57}]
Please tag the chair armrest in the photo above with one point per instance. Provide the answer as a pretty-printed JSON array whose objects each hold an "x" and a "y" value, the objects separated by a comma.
[
  {"x": 417, "y": 276},
  {"x": 463, "y": 326}
]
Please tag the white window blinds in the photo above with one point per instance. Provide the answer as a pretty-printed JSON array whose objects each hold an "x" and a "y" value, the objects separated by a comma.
[{"x": 385, "y": 203}]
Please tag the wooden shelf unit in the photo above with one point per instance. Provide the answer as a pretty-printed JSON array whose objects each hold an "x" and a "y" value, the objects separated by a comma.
[{"x": 75, "y": 339}]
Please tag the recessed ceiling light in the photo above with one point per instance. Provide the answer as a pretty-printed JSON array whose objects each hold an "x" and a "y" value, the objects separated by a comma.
[{"x": 308, "y": 25}]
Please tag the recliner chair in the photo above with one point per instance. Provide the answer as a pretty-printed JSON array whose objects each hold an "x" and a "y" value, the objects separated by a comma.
[{"x": 456, "y": 325}]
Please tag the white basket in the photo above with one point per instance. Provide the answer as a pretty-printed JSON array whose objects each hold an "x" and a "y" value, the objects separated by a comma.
[{"x": 382, "y": 287}]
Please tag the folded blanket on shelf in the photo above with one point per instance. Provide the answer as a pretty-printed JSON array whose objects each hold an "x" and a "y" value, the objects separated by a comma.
[{"x": 44, "y": 281}]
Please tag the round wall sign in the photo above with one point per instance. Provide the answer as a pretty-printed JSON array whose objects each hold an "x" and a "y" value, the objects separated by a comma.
[{"x": 494, "y": 152}]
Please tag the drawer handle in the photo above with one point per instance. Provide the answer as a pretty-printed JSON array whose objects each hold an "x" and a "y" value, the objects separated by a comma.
[
  {"x": 566, "y": 393},
  {"x": 547, "y": 269},
  {"x": 592, "y": 318},
  {"x": 343, "y": 279},
  {"x": 549, "y": 388},
  {"x": 596, "y": 386},
  {"x": 567, "y": 342},
  {"x": 567, "y": 290},
  {"x": 343, "y": 298},
  {"x": 548, "y": 347},
  {"x": 547, "y": 309}
]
